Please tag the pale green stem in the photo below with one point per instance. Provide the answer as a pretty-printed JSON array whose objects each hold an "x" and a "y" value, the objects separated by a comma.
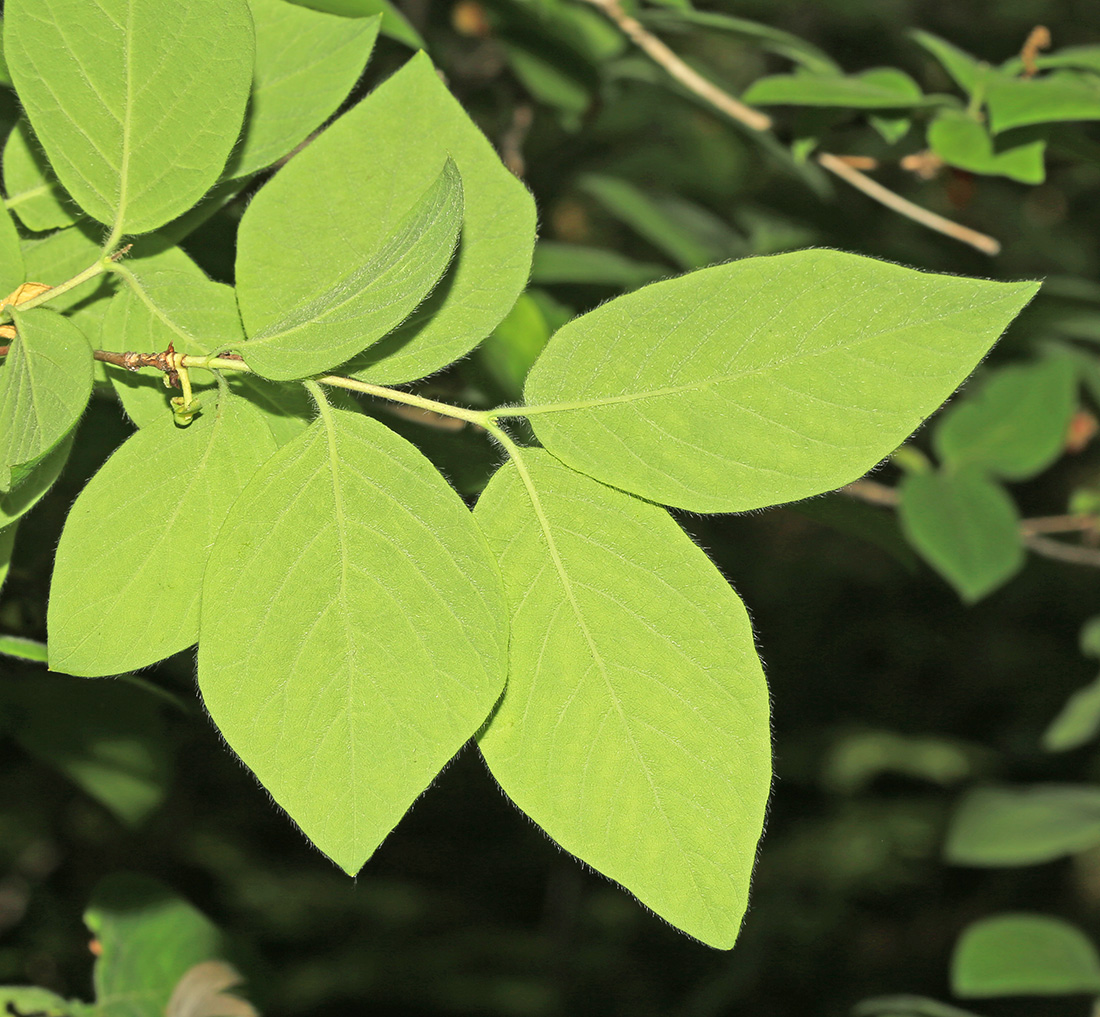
[
  {"x": 480, "y": 417},
  {"x": 55, "y": 291}
]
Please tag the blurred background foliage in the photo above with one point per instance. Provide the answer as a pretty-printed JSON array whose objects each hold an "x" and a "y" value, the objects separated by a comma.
[{"x": 894, "y": 701}]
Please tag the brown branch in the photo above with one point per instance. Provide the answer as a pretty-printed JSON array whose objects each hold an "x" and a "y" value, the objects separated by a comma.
[
  {"x": 1075, "y": 554},
  {"x": 903, "y": 206},
  {"x": 687, "y": 76}
]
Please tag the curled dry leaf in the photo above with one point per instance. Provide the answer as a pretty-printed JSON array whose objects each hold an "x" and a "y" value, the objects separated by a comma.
[
  {"x": 20, "y": 295},
  {"x": 201, "y": 993}
]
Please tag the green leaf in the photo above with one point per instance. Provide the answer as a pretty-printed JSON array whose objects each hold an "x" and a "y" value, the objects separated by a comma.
[
  {"x": 29, "y": 999},
  {"x": 1003, "y": 826},
  {"x": 879, "y": 88},
  {"x": 559, "y": 82},
  {"x": 45, "y": 383},
  {"x": 959, "y": 140},
  {"x": 762, "y": 381},
  {"x": 108, "y": 738},
  {"x": 126, "y": 584},
  {"x": 1077, "y": 722},
  {"x": 1024, "y": 955},
  {"x": 23, "y": 649},
  {"x": 555, "y": 262},
  {"x": 34, "y": 192},
  {"x": 635, "y": 725},
  {"x": 412, "y": 122},
  {"x": 301, "y": 321},
  {"x": 12, "y": 270},
  {"x": 965, "y": 526},
  {"x": 306, "y": 63},
  {"x": 966, "y": 70},
  {"x": 1061, "y": 96},
  {"x": 686, "y": 233},
  {"x": 7, "y": 545},
  {"x": 149, "y": 940},
  {"x": 515, "y": 344},
  {"x": 768, "y": 38},
  {"x": 137, "y": 106},
  {"x": 56, "y": 257},
  {"x": 34, "y": 482},
  {"x": 1015, "y": 424},
  {"x": 906, "y": 1006},
  {"x": 353, "y": 630},
  {"x": 394, "y": 23}
]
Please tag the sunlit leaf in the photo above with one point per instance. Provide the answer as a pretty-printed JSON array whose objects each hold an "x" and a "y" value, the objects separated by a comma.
[
  {"x": 762, "y": 381},
  {"x": 634, "y": 728},
  {"x": 126, "y": 585},
  {"x": 34, "y": 192},
  {"x": 353, "y": 630}
]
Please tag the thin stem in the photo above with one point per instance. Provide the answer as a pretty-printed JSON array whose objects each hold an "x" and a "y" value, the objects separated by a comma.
[
  {"x": 687, "y": 76},
  {"x": 481, "y": 417},
  {"x": 55, "y": 291},
  {"x": 896, "y": 203}
]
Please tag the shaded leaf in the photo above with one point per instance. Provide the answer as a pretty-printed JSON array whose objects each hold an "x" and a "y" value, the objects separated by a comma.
[
  {"x": 635, "y": 725},
  {"x": 1061, "y": 96},
  {"x": 394, "y": 23},
  {"x": 959, "y": 140},
  {"x": 1015, "y": 424},
  {"x": 1001, "y": 826},
  {"x": 34, "y": 192},
  {"x": 29, "y": 999},
  {"x": 966, "y": 70},
  {"x": 127, "y": 579},
  {"x": 556, "y": 262},
  {"x": 1023, "y": 955},
  {"x": 45, "y": 383},
  {"x": 880, "y": 88},
  {"x": 149, "y": 940},
  {"x": 24, "y": 649},
  {"x": 767, "y": 37},
  {"x": 762, "y": 381},
  {"x": 12, "y": 270},
  {"x": 353, "y": 630},
  {"x": 1077, "y": 722},
  {"x": 108, "y": 738},
  {"x": 35, "y": 482},
  {"x": 965, "y": 526},
  {"x": 7, "y": 545},
  {"x": 306, "y": 63},
  {"x": 302, "y": 322},
  {"x": 137, "y": 106}
]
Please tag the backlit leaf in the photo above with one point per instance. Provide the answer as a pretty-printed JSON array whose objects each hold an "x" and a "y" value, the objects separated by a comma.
[
  {"x": 353, "y": 630},
  {"x": 304, "y": 320},
  {"x": 126, "y": 585},
  {"x": 422, "y": 123},
  {"x": 138, "y": 103},
  {"x": 45, "y": 383},
  {"x": 762, "y": 381},
  {"x": 635, "y": 727}
]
